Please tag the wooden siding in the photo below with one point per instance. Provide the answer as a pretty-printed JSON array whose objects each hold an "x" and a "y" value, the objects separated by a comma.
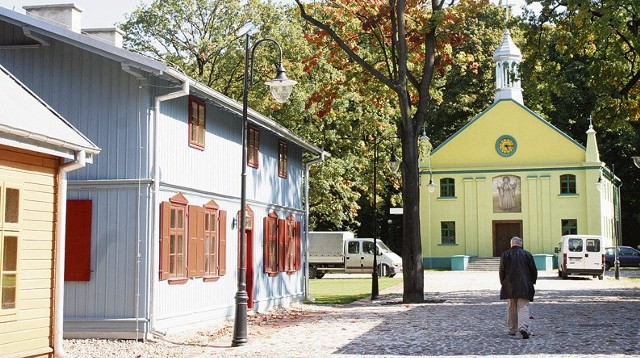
[
  {"x": 29, "y": 331},
  {"x": 115, "y": 111}
]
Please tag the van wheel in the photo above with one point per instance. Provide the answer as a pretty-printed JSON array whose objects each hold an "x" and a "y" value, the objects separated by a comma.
[
  {"x": 564, "y": 275},
  {"x": 599, "y": 277},
  {"x": 559, "y": 273}
]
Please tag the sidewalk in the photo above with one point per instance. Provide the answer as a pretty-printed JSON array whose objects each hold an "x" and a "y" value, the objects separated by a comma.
[{"x": 578, "y": 317}]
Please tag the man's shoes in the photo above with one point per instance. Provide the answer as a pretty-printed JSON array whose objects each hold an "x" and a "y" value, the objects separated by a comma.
[
  {"x": 524, "y": 333},
  {"x": 512, "y": 333}
]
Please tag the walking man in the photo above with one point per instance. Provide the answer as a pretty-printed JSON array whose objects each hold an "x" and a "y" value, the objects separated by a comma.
[{"x": 518, "y": 274}]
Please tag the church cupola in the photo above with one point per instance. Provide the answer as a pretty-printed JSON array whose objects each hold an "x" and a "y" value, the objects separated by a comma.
[{"x": 507, "y": 59}]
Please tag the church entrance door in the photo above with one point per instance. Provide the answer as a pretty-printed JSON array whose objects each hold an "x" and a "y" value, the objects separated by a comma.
[{"x": 503, "y": 231}]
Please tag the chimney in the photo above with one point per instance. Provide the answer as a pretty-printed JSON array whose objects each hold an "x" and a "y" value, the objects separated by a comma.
[
  {"x": 64, "y": 15},
  {"x": 111, "y": 35}
]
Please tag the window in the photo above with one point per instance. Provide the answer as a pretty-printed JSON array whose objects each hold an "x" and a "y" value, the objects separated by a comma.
[
  {"x": 173, "y": 244},
  {"x": 271, "y": 243},
  {"x": 197, "y": 122},
  {"x": 207, "y": 241},
  {"x": 353, "y": 247},
  {"x": 9, "y": 233},
  {"x": 567, "y": 184},
  {"x": 282, "y": 159},
  {"x": 291, "y": 244},
  {"x": 281, "y": 244},
  {"x": 77, "y": 261},
  {"x": 447, "y": 187},
  {"x": 448, "y": 232},
  {"x": 367, "y": 247},
  {"x": 253, "y": 146},
  {"x": 593, "y": 245},
  {"x": 569, "y": 227},
  {"x": 575, "y": 245}
]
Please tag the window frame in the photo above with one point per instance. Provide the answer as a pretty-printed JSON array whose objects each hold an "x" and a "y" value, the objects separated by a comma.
[
  {"x": 200, "y": 123},
  {"x": 13, "y": 230},
  {"x": 447, "y": 233},
  {"x": 569, "y": 226},
  {"x": 283, "y": 159},
  {"x": 253, "y": 147},
  {"x": 568, "y": 184},
  {"x": 447, "y": 188},
  {"x": 178, "y": 203},
  {"x": 270, "y": 244}
]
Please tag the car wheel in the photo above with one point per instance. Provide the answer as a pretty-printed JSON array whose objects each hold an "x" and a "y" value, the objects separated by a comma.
[
  {"x": 564, "y": 275},
  {"x": 600, "y": 277},
  {"x": 313, "y": 273},
  {"x": 607, "y": 266}
]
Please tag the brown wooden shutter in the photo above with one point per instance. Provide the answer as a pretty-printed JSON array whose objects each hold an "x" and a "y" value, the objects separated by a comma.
[
  {"x": 196, "y": 249},
  {"x": 165, "y": 222},
  {"x": 266, "y": 222},
  {"x": 282, "y": 238},
  {"x": 298, "y": 264},
  {"x": 222, "y": 248},
  {"x": 77, "y": 263}
]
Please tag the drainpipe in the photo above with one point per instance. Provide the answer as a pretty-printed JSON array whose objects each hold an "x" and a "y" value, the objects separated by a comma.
[
  {"x": 79, "y": 162},
  {"x": 155, "y": 248},
  {"x": 306, "y": 224}
]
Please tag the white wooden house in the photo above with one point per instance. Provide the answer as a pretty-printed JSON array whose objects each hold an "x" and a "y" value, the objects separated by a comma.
[{"x": 153, "y": 237}]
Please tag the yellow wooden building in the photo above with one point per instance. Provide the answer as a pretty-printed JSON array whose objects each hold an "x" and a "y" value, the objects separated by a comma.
[
  {"x": 507, "y": 173},
  {"x": 37, "y": 148}
]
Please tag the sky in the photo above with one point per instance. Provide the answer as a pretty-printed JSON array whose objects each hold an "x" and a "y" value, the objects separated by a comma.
[{"x": 105, "y": 13}]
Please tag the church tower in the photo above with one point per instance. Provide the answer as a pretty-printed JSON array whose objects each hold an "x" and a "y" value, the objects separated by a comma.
[{"x": 507, "y": 59}]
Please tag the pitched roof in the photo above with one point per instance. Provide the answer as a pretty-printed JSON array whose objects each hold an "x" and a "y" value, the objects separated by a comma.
[
  {"x": 27, "y": 122},
  {"x": 130, "y": 59}
]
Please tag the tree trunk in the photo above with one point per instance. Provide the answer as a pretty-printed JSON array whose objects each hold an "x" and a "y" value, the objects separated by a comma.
[{"x": 413, "y": 272}]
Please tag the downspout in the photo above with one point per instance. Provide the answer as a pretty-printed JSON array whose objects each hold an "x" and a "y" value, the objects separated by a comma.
[
  {"x": 155, "y": 247},
  {"x": 306, "y": 223},
  {"x": 77, "y": 163}
]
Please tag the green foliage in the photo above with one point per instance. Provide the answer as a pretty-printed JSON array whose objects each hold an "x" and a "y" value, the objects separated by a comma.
[{"x": 346, "y": 290}]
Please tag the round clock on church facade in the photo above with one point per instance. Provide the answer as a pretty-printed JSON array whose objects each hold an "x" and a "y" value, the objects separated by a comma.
[{"x": 506, "y": 145}]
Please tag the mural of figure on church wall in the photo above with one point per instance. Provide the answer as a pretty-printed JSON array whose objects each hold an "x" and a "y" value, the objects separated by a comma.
[{"x": 506, "y": 194}]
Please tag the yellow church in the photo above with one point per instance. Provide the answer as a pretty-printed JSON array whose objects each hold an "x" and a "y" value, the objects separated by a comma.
[{"x": 509, "y": 172}]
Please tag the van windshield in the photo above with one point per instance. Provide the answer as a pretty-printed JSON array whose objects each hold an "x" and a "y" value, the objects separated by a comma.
[{"x": 382, "y": 247}]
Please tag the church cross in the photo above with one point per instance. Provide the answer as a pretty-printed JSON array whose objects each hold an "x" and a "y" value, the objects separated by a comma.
[{"x": 507, "y": 6}]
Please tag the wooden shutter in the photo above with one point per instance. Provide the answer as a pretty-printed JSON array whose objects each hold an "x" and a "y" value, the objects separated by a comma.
[
  {"x": 266, "y": 223},
  {"x": 165, "y": 222},
  {"x": 222, "y": 247},
  {"x": 196, "y": 249},
  {"x": 298, "y": 264},
  {"x": 282, "y": 238},
  {"x": 77, "y": 263}
]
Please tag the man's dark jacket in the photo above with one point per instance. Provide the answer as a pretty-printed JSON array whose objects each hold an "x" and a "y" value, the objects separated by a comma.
[{"x": 518, "y": 274}]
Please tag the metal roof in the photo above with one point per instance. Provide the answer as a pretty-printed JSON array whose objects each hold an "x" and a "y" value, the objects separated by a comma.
[
  {"x": 27, "y": 122},
  {"x": 157, "y": 68}
]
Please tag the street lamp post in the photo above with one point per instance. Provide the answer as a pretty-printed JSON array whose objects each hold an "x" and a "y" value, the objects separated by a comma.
[
  {"x": 281, "y": 88},
  {"x": 394, "y": 165}
]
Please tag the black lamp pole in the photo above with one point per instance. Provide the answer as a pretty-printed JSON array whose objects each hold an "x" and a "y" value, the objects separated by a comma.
[
  {"x": 374, "y": 273},
  {"x": 281, "y": 88}
]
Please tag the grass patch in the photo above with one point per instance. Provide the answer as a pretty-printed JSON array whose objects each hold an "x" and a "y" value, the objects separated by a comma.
[{"x": 346, "y": 290}]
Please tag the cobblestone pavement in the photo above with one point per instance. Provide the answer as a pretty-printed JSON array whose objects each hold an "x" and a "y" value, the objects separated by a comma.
[{"x": 463, "y": 316}]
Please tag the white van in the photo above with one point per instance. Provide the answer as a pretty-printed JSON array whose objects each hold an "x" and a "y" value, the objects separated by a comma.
[{"x": 581, "y": 255}]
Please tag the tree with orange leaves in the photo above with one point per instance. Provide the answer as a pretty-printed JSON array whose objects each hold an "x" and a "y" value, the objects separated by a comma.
[{"x": 407, "y": 43}]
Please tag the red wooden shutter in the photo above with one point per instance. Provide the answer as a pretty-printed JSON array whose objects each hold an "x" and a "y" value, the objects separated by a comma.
[
  {"x": 165, "y": 221},
  {"x": 77, "y": 263},
  {"x": 266, "y": 222},
  {"x": 195, "y": 252},
  {"x": 298, "y": 245},
  {"x": 282, "y": 238},
  {"x": 222, "y": 248}
]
